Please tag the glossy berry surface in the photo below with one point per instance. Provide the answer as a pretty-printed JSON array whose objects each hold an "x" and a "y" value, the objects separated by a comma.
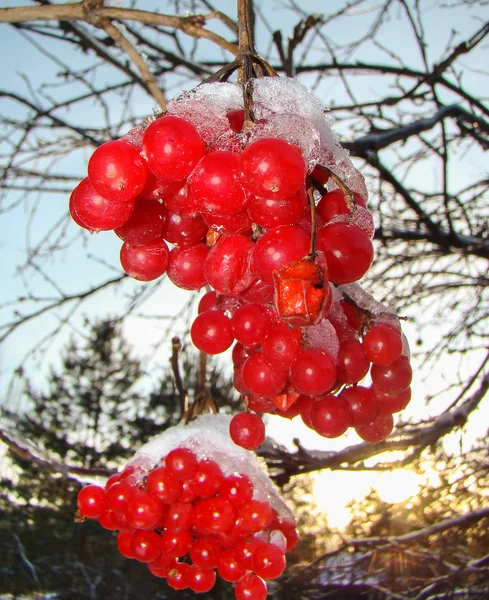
[
  {"x": 215, "y": 185},
  {"x": 91, "y": 501},
  {"x": 271, "y": 167},
  {"x": 313, "y": 372},
  {"x": 145, "y": 263},
  {"x": 348, "y": 251},
  {"x": 96, "y": 213},
  {"x": 330, "y": 416},
  {"x": 382, "y": 345},
  {"x": 117, "y": 171},
  {"x": 172, "y": 147},
  {"x": 247, "y": 430},
  {"x": 251, "y": 587},
  {"x": 212, "y": 332}
]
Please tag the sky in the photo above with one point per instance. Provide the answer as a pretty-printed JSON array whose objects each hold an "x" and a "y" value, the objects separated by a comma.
[{"x": 74, "y": 270}]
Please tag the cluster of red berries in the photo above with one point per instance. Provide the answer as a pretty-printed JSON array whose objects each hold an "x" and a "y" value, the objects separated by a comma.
[
  {"x": 188, "y": 521},
  {"x": 315, "y": 371},
  {"x": 234, "y": 202}
]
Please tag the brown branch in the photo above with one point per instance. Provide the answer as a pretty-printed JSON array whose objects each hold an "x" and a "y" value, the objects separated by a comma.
[
  {"x": 285, "y": 464},
  {"x": 192, "y": 26},
  {"x": 176, "y": 345},
  {"x": 148, "y": 78},
  {"x": 25, "y": 451}
]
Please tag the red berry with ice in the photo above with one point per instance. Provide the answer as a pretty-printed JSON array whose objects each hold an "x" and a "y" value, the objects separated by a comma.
[{"x": 234, "y": 527}]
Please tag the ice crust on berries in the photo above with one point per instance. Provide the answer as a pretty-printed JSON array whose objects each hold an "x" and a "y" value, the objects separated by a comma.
[
  {"x": 360, "y": 217},
  {"x": 284, "y": 108},
  {"x": 322, "y": 337},
  {"x": 364, "y": 300},
  {"x": 208, "y": 437},
  {"x": 296, "y": 130},
  {"x": 210, "y": 122}
]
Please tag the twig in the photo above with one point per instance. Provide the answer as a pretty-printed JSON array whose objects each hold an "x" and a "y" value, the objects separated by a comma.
[
  {"x": 147, "y": 76},
  {"x": 175, "y": 366}
]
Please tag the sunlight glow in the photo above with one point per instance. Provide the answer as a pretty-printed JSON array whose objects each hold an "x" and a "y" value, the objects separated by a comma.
[{"x": 333, "y": 491}]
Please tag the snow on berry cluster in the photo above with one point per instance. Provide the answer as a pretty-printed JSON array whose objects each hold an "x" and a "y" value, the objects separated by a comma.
[
  {"x": 233, "y": 202},
  {"x": 191, "y": 504}
]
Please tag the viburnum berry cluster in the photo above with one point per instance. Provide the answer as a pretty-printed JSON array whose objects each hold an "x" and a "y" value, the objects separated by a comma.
[
  {"x": 271, "y": 214},
  {"x": 192, "y": 505}
]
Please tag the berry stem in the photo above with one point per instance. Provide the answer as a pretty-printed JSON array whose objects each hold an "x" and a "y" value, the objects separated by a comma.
[
  {"x": 312, "y": 206},
  {"x": 203, "y": 401},
  {"x": 349, "y": 195},
  {"x": 182, "y": 392}
]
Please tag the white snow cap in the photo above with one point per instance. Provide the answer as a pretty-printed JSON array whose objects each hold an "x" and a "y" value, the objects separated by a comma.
[
  {"x": 284, "y": 108},
  {"x": 208, "y": 437}
]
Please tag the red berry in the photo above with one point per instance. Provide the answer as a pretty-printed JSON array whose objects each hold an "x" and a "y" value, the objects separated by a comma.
[
  {"x": 214, "y": 515},
  {"x": 179, "y": 576},
  {"x": 250, "y": 324},
  {"x": 107, "y": 521},
  {"x": 211, "y": 332},
  {"x": 382, "y": 345},
  {"x": 185, "y": 230},
  {"x": 207, "y": 302},
  {"x": 256, "y": 515},
  {"x": 227, "y": 266},
  {"x": 145, "y": 263},
  {"x": 330, "y": 416},
  {"x": 272, "y": 168},
  {"x": 117, "y": 171},
  {"x": 313, "y": 372},
  {"x": 290, "y": 532},
  {"x": 281, "y": 345},
  {"x": 352, "y": 364},
  {"x": 247, "y": 430},
  {"x": 277, "y": 247},
  {"x": 237, "y": 488},
  {"x": 273, "y": 212},
  {"x": 145, "y": 545},
  {"x": 201, "y": 580},
  {"x": 92, "y": 501},
  {"x": 205, "y": 553},
  {"x": 124, "y": 541},
  {"x": 181, "y": 463},
  {"x": 215, "y": 185},
  {"x": 236, "y": 119},
  {"x": 245, "y": 549},
  {"x": 378, "y": 429},
  {"x": 229, "y": 568},
  {"x": 229, "y": 224},
  {"x": 172, "y": 147},
  {"x": 361, "y": 403},
  {"x": 268, "y": 561},
  {"x": 143, "y": 510},
  {"x": 348, "y": 251},
  {"x": 96, "y": 213},
  {"x": 390, "y": 403},
  {"x": 146, "y": 224},
  {"x": 186, "y": 267},
  {"x": 176, "y": 544},
  {"x": 261, "y": 378},
  {"x": 207, "y": 479},
  {"x": 178, "y": 517},
  {"x": 118, "y": 495},
  {"x": 163, "y": 484},
  {"x": 251, "y": 587},
  {"x": 394, "y": 378}
]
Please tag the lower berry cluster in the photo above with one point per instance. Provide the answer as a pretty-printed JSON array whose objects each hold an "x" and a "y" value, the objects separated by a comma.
[{"x": 189, "y": 521}]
